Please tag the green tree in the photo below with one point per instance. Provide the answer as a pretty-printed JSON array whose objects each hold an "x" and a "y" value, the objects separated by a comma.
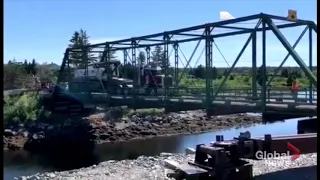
[
  {"x": 260, "y": 76},
  {"x": 199, "y": 72},
  {"x": 142, "y": 57},
  {"x": 285, "y": 72},
  {"x": 33, "y": 67},
  {"x": 158, "y": 56},
  {"x": 214, "y": 73},
  {"x": 80, "y": 41}
]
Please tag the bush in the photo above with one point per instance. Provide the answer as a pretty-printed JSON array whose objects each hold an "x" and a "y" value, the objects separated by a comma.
[{"x": 20, "y": 109}]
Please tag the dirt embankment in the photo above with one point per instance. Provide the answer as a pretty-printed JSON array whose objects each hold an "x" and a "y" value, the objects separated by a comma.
[{"x": 96, "y": 129}]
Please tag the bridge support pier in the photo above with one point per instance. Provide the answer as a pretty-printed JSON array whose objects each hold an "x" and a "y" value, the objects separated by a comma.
[
  {"x": 276, "y": 116},
  {"x": 307, "y": 126}
]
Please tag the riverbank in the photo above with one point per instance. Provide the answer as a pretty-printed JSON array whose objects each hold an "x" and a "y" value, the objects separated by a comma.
[
  {"x": 146, "y": 168},
  {"x": 100, "y": 128}
]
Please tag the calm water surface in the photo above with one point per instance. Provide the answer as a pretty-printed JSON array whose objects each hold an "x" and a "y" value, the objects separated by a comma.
[{"x": 23, "y": 163}]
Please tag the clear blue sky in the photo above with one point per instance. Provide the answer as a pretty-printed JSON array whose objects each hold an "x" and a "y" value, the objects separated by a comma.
[{"x": 41, "y": 29}]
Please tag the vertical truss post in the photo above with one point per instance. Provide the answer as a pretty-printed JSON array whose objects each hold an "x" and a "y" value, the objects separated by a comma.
[
  {"x": 125, "y": 57},
  {"x": 105, "y": 52},
  {"x": 148, "y": 54},
  {"x": 166, "y": 40},
  {"x": 108, "y": 54},
  {"x": 107, "y": 58},
  {"x": 125, "y": 62},
  {"x": 68, "y": 66},
  {"x": 85, "y": 61},
  {"x": 263, "y": 67},
  {"x": 310, "y": 64},
  {"x": 208, "y": 73},
  {"x": 134, "y": 64},
  {"x": 254, "y": 64},
  {"x": 176, "y": 63},
  {"x": 292, "y": 52}
]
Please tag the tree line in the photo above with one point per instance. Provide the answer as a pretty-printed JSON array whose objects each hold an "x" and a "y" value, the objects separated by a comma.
[{"x": 19, "y": 75}]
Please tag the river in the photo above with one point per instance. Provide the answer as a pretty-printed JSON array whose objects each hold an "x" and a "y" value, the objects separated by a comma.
[{"x": 22, "y": 163}]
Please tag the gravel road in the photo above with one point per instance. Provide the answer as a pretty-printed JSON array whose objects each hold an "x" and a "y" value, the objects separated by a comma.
[{"x": 153, "y": 168}]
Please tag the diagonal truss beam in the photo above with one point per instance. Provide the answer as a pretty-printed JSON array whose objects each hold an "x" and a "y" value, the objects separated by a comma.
[
  {"x": 235, "y": 62},
  {"x": 287, "y": 56},
  {"x": 292, "y": 52}
]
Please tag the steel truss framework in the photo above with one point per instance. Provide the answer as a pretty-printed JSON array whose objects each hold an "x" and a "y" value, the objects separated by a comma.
[{"x": 166, "y": 39}]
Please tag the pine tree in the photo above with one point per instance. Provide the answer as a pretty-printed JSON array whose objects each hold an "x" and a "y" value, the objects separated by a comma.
[
  {"x": 33, "y": 67},
  {"x": 141, "y": 57},
  {"x": 79, "y": 41},
  {"x": 158, "y": 56}
]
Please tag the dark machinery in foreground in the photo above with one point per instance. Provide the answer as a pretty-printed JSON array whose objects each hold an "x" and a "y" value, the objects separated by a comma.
[{"x": 221, "y": 160}]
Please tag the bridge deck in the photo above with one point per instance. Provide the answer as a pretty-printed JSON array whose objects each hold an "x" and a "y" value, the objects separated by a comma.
[{"x": 222, "y": 105}]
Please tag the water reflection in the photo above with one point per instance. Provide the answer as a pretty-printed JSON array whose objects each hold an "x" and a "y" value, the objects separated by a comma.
[{"x": 23, "y": 163}]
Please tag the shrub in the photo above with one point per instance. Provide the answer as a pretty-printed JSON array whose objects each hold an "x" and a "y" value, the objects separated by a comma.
[{"x": 20, "y": 109}]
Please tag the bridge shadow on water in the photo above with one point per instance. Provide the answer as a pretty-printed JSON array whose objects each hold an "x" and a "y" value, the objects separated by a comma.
[{"x": 25, "y": 163}]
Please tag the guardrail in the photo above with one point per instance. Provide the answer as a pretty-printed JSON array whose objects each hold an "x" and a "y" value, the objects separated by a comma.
[{"x": 273, "y": 95}]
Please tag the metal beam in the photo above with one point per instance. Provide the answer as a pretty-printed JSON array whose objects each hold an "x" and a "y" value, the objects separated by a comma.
[
  {"x": 176, "y": 64},
  {"x": 287, "y": 56},
  {"x": 191, "y": 56},
  {"x": 314, "y": 27},
  {"x": 208, "y": 70},
  {"x": 154, "y": 40},
  {"x": 125, "y": 62},
  {"x": 254, "y": 64},
  {"x": 148, "y": 54},
  {"x": 187, "y": 34},
  {"x": 65, "y": 61},
  {"x": 193, "y": 28},
  {"x": 134, "y": 62},
  {"x": 166, "y": 69},
  {"x": 281, "y": 18},
  {"x": 220, "y": 35},
  {"x": 233, "y": 27},
  {"x": 293, "y": 53},
  {"x": 264, "y": 67},
  {"x": 234, "y": 63},
  {"x": 310, "y": 64}
]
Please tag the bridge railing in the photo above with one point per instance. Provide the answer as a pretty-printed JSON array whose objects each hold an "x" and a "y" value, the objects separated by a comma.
[{"x": 273, "y": 95}]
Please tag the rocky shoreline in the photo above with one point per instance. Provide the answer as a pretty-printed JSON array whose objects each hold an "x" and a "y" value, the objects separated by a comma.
[
  {"x": 156, "y": 168},
  {"x": 98, "y": 129}
]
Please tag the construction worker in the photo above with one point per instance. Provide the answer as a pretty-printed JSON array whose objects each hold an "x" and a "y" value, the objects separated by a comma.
[{"x": 295, "y": 87}]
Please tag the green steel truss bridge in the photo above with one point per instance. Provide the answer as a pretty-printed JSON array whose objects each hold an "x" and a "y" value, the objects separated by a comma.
[{"x": 216, "y": 100}]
